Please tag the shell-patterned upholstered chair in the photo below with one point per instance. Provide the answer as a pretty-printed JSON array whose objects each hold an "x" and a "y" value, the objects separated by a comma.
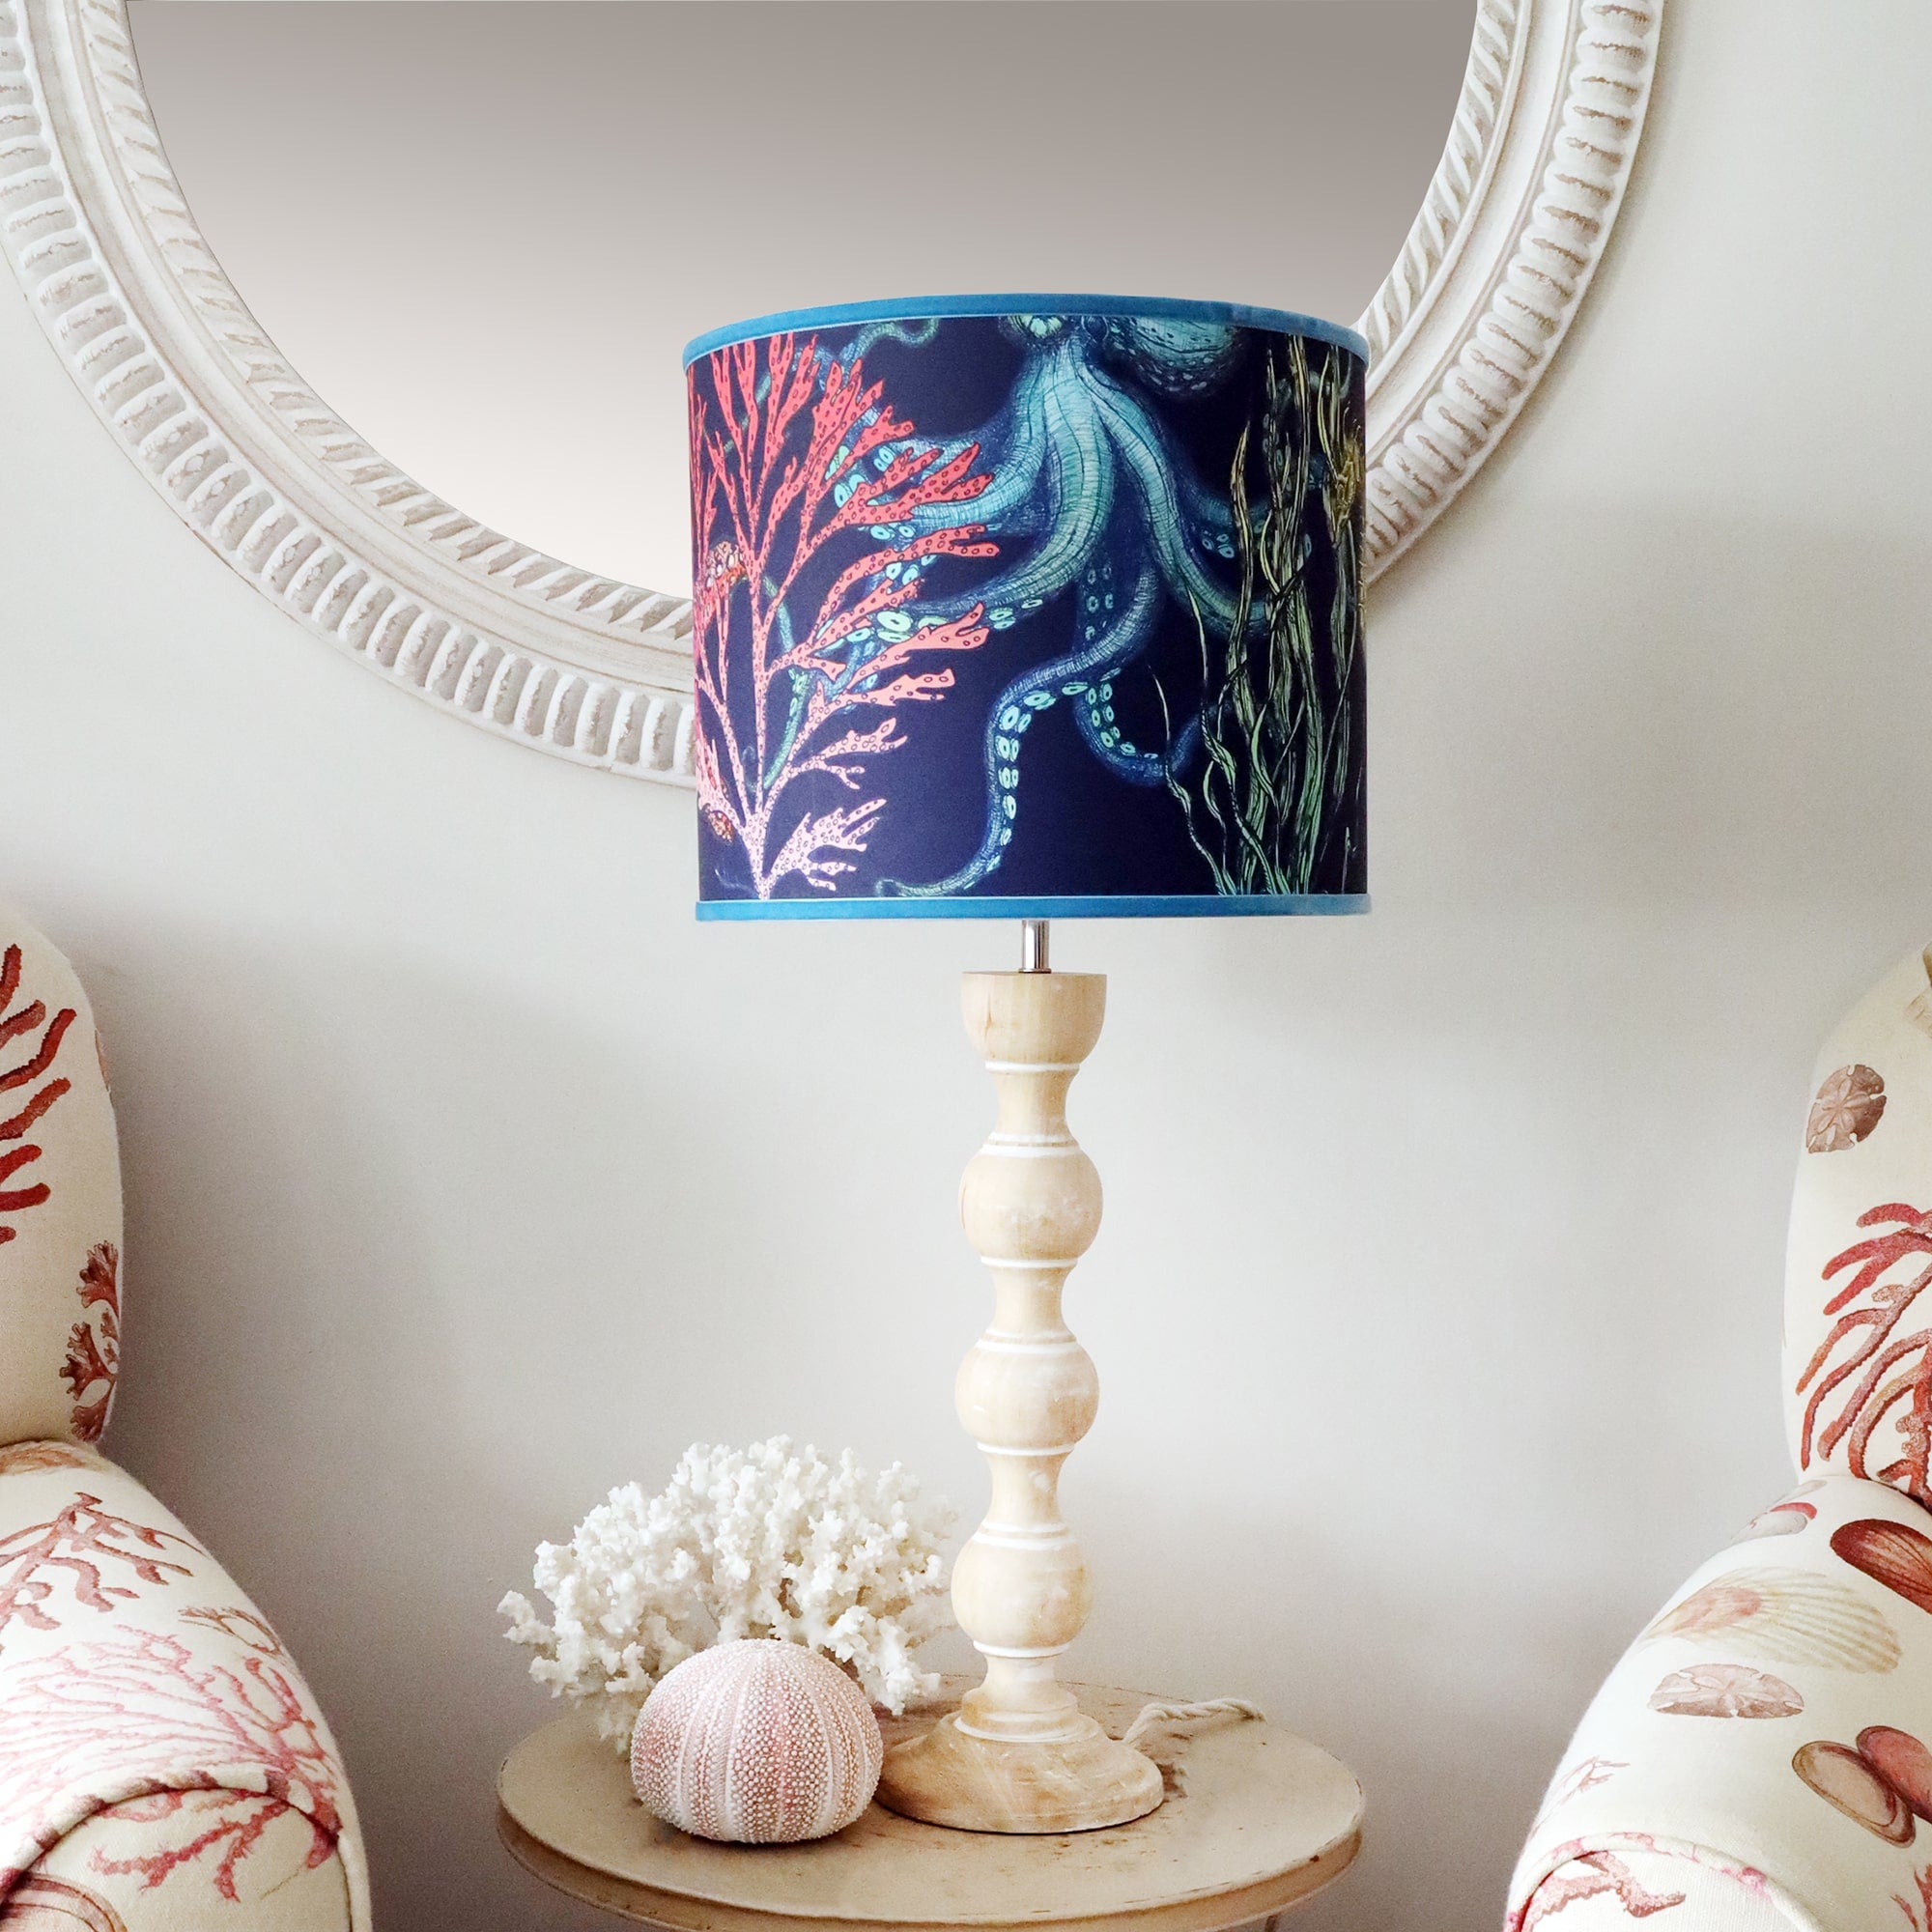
[
  {"x": 1761, "y": 1757},
  {"x": 163, "y": 1766}
]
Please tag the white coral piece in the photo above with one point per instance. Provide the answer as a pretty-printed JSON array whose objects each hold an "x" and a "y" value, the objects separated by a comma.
[{"x": 771, "y": 1541}]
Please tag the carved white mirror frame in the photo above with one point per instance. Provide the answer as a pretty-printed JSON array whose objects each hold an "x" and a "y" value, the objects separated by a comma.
[{"x": 279, "y": 486}]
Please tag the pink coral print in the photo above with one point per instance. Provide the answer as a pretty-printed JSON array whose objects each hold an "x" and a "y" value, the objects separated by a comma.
[
  {"x": 93, "y": 1364},
  {"x": 1918, "y": 1913},
  {"x": 84, "y": 1547},
  {"x": 30, "y": 1039},
  {"x": 1586, "y": 1868},
  {"x": 796, "y": 461},
  {"x": 238, "y": 1626},
  {"x": 224, "y": 1751},
  {"x": 1881, "y": 1375},
  {"x": 1591, "y": 1876},
  {"x": 1585, "y": 1775}
]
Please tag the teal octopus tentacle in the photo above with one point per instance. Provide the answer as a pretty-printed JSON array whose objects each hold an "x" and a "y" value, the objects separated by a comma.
[
  {"x": 1064, "y": 486},
  {"x": 1016, "y": 441},
  {"x": 1089, "y": 497},
  {"x": 1151, "y": 471},
  {"x": 913, "y": 331},
  {"x": 1101, "y": 731},
  {"x": 1109, "y": 633}
]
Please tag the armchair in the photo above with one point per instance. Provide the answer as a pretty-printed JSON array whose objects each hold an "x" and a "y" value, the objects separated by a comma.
[
  {"x": 1761, "y": 1758},
  {"x": 162, "y": 1764}
]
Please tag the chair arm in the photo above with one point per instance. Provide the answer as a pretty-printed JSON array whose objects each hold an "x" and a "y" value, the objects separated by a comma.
[
  {"x": 1755, "y": 1757},
  {"x": 147, "y": 1866},
  {"x": 160, "y": 1755}
]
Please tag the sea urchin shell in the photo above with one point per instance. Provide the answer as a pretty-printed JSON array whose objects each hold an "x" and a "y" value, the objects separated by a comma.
[{"x": 756, "y": 1742}]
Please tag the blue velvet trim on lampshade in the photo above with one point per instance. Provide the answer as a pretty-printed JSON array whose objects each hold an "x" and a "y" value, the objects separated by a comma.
[
  {"x": 1028, "y": 605},
  {"x": 1126, "y": 905},
  {"x": 843, "y": 315}
]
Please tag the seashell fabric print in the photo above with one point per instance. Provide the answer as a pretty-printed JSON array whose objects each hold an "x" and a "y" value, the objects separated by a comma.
[
  {"x": 1920, "y": 1011},
  {"x": 1725, "y": 1691},
  {"x": 1785, "y": 1518},
  {"x": 24, "y": 1458},
  {"x": 1842, "y": 1777},
  {"x": 1891, "y": 1553},
  {"x": 1902, "y": 1761},
  {"x": 43, "y": 1904},
  {"x": 1781, "y": 1615},
  {"x": 1849, "y": 1105},
  {"x": 757, "y": 1742}
]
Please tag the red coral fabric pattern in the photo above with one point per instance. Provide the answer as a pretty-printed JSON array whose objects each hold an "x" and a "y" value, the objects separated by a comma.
[
  {"x": 60, "y": 1201},
  {"x": 135, "y": 1676},
  {"x": 1857, "y": 1318},
  {"x": 83, "y": 1546},
  {"x": 91, "y": 1369},
  {"x": 782, "y": 448},
  {"x": 29, "y": 1087}
]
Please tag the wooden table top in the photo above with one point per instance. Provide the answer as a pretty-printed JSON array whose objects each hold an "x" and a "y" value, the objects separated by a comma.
[{"x": 1261, "y": 1820}]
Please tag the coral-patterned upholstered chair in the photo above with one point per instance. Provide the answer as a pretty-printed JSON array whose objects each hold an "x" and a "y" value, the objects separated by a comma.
[
  {"x": 1761, "y": 1758},
  {"x": 162, "y": 1764}
]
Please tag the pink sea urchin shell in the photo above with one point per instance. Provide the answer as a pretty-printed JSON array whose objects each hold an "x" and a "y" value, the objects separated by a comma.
[{"x": 756, "y": 1742}]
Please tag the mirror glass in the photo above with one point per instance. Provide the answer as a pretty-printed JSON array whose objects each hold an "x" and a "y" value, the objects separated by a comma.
[{"x": 483, "y": 230}]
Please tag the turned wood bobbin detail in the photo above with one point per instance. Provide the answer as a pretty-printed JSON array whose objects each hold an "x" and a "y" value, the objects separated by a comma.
[{"x": 1019, "y": 1755}]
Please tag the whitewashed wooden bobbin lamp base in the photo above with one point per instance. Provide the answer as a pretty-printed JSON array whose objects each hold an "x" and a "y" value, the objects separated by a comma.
[
  {"x": 1029, "y": 606},
  {"x": 1019, "y": 1755}
]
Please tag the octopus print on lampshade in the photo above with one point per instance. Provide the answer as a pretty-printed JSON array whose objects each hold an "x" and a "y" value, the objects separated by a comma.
[{"x": 1028, "y": 605}]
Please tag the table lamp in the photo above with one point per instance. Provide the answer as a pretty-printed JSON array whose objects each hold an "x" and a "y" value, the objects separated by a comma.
[{"x": 1027, "y": 607}]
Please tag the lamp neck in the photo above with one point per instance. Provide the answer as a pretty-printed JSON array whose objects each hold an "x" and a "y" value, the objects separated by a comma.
[{"x": 1034, "y": 946}]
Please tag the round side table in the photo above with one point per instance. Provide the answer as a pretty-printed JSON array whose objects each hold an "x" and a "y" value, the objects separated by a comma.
[{"x": 1261, "y": 1821}]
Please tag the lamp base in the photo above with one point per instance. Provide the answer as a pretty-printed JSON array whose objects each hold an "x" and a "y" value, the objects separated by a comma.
[
  {"x": 1079, "y": 1782},
  {"x": 1019, "y": 1755}
]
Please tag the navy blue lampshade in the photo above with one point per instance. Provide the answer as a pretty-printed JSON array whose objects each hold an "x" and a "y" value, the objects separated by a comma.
[{"x": 1033, "y": 605}]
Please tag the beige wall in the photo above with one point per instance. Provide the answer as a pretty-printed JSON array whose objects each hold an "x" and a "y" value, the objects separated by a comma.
[{"x": 1438, "y": 1298}]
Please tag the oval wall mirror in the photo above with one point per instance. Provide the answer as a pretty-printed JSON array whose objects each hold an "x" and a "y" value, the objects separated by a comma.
[{"x": 481, "y": 231}]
